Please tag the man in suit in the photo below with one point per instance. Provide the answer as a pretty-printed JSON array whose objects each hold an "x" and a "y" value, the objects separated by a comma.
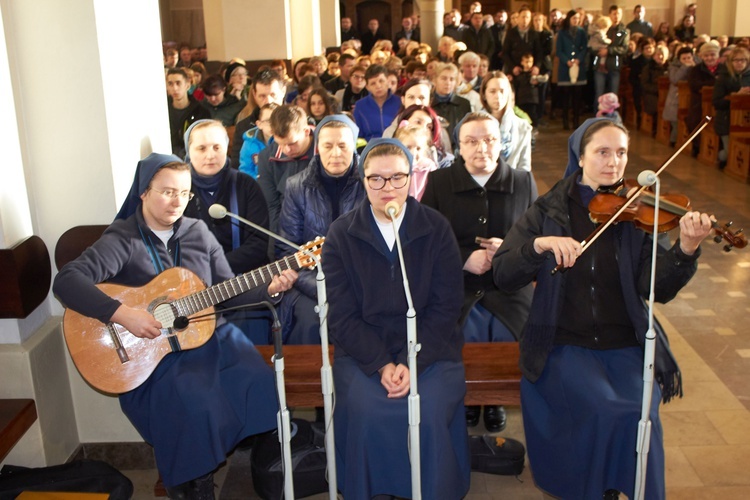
[
  {"x": 499, "y": 30},
  {"x": 477, "y": 37},
  {"x": 371, "y": 36},
  {"x": 347, "y": 31},
  {"x": 521, "y": 40},
  {"x": 409, "y": 31}
]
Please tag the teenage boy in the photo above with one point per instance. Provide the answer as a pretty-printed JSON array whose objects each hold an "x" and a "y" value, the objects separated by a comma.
[
  {"x": 376, "y": 111},
  {"x": 183, "y": 108}
]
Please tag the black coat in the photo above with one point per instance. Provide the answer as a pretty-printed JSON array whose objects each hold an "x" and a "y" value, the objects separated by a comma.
[
  {"x": 453, "y": 111},
  {"x": 618, "y": 48},
  {"x": 415, "y": 36},
  {"x": 488, "y": 211},
  {"x": 498, "y": 38},
  {"x": 368, "y": 40},
  {"x": 699, "y": 77},
  {"x": 650, "y": 85},
  {"x": 725, "y": 85},
  {"x": 478, "y": 41},
  {"x": 515, "y": 47}
]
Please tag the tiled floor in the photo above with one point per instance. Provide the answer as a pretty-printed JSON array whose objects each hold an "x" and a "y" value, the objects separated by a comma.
[{"x": 707, "y": 433}]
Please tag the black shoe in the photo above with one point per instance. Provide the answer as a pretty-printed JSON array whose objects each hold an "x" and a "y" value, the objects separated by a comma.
[
  {"x": 472, "y": 415},
  {"x": 611, "y": 495},
  {"x": 203, "y": 487},
  {"x": 494, "y": 418}
]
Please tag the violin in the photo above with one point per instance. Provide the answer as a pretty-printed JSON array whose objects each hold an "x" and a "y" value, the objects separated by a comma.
[
  {"x": 635, "y": 208},
  {"x": 640, "y": 211}
]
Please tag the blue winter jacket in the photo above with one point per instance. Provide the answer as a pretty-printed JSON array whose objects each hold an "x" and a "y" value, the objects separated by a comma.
[
  {"x": 252, "y": 145},
  {"x": 371, "y": 119}
]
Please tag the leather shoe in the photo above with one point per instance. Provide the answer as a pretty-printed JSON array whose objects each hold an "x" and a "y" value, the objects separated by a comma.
[
  {"x": 494, "y": 418},
  {"x": 611, "y": 495},
  {"x": 472, "y": 415}
]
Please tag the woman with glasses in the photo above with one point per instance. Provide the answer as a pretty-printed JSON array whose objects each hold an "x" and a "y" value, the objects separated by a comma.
[
  {"x": 482, "y": 197},
  {"x": 734, "y": 77},
  {"x": 367, "y": 324},
  {"x": 515, "y": 132},
  {"x": 198, "y": 403}
]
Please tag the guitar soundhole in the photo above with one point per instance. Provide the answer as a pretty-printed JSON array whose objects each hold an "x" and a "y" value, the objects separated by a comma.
[{"x": 165, "y": 315}]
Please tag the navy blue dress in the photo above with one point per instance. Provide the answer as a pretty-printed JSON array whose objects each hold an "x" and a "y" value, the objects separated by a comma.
[
  {"x": 367, "y": 321},
  {"x": 198, "y": 404}
]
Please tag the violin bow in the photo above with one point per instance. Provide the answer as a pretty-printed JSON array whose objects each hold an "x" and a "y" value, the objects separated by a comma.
[{"x": 590, "y": 239}]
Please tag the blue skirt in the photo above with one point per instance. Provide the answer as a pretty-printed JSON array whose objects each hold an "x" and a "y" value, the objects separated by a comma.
[
  {"x": 581, "y": 422},
  {"x": 198, "y": 404},
  {"x": 372, "y": 455},
  {"x": 483, "y": 326}
]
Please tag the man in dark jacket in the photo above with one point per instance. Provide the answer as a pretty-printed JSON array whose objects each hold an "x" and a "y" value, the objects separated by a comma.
[
  {"x": 477, "y": 37},
  {"x": 615, "y": 54},
  {"x": 499, "y": 30},
  {"x": 371, "y": 36},
  {"x": 639, "y": 23},
  {"x": 267, "y": 86},
  {"x": 347, "y": 31},
  {"x": 409, "y": 31},
  {"x": 346, "y": 65},
  {"x": 482, "y": 197},
  {"x": 521, "y": 40},
  {"x": 291, "y": 152},
  {"x": 183, "y": 108}
]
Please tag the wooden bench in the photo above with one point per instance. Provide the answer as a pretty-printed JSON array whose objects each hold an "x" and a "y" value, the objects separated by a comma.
[
  {"x": 709, "y": 152},
  {"x": 492, "y": 373},
  {"x": 16, "y": 417}
]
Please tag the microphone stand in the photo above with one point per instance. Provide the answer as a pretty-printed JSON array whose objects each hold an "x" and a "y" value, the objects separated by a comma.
[
  {"x": 283, "y": 421},
  {"x": 644, "y": 425},
  {"x": 218, "y": 211},
  {"x": 414, "y": 347}
]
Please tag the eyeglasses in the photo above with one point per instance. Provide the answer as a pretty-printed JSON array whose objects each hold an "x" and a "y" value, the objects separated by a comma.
[
  {"x": 357, "y": 77},
  {"x": 171, "y": 194},
  {"x": 377, "y": 182},
  {"x": 739, "y": 60},
  {"x": 472, "y": 143}
]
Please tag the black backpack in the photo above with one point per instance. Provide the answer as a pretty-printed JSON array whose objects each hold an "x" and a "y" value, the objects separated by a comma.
[
  {"x": 308, "y": 461},
  {"x": 496, "y": 455},
  {"x": 91, "y": 476}
]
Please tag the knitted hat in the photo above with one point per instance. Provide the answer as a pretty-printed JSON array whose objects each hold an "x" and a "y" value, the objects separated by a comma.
[{"x": 230, "y": 69}]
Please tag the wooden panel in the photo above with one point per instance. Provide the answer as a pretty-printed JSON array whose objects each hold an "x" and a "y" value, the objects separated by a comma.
[
  {"x": 663, "y": 127},
  {"x": 25, "y": 277},
  {"x": 738, "y": 161},
  {"x": 709, "y": 140},
  {"x": 492, "y": 373},
  {"x": 16, "y": 416}
]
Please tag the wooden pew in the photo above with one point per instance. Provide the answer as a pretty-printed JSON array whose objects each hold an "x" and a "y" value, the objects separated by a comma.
[
  {"x": 625, "y": 94},
  {"x": 492, "y": 373},
  {"x": 709, "y": 140},
  {"x": 16, "y": 417},
  {"x": 738, "y": 161},
  {"x": 663, "y": 127}
]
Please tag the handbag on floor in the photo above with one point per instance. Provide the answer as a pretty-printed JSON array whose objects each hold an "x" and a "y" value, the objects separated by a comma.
[
  {"x": 308, "y": 461},
  {"x": 80, "y": 476},
  {"x": 496, "y": 455}
]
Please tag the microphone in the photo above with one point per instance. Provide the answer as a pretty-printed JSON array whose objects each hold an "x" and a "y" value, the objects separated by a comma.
[
  {"x": 218, "y": 211},
  {"x": 647, "y": 178},
  {"x": 392, "y": 209}
]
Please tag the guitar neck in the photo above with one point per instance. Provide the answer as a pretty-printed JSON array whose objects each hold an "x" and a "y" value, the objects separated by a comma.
[{"x": 232, "y": 287}]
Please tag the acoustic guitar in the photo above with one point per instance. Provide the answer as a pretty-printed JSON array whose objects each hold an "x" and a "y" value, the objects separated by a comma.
[{"x": 115, "y": 361}]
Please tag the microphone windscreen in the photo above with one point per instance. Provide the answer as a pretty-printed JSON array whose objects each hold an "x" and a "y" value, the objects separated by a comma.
[
  {"x": 647, "y": 178},
  {"x": 217, "y": 211},
  {"x": 392, "y": 208}
]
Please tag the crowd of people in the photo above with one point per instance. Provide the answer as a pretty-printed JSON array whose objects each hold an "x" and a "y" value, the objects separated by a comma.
[{"x": 448, "y": 135}]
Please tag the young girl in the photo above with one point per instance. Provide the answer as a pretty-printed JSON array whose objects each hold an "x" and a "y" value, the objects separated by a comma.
[
  {"x": 319, "y": 104},
  {"x": 418, "y": 141}
]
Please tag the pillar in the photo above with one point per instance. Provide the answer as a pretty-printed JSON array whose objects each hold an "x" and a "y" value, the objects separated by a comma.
[
  {"x": 330, "y": 23},
  {"x": 431, "y": 22}
]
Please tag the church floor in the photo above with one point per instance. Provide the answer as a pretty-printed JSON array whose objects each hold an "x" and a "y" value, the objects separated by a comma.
[{"x": 707, "y": 433}]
